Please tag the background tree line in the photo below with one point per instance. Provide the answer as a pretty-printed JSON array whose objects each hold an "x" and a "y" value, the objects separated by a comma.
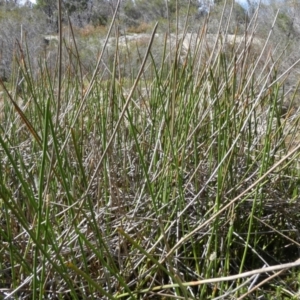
[{"x": 23, "y": 21}]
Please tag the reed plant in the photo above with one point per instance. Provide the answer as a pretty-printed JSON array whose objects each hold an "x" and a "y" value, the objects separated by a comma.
[{"x": 178, "y": 182}]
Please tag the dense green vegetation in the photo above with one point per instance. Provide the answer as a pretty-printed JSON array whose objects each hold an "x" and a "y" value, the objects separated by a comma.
[{"x": 162, "y": 166}]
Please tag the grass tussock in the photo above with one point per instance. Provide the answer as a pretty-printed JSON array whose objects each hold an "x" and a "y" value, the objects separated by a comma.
[{"x": 144, "y": 186}]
